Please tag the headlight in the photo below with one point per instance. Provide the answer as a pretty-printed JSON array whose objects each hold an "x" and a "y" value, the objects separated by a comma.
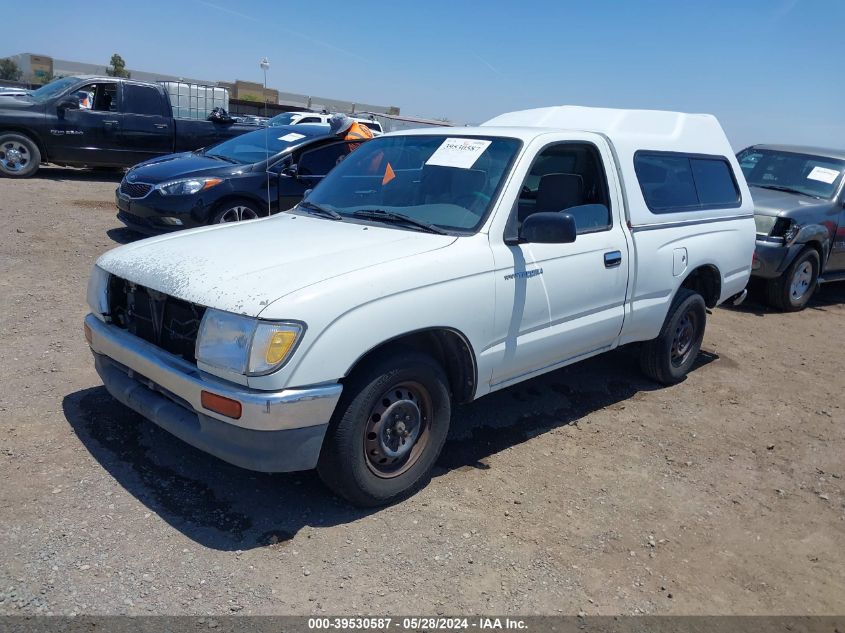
[
  {"x": 765, "y": 223},
  {"x": 245, "y": 345},
  {"x": 187, "y": 186}
]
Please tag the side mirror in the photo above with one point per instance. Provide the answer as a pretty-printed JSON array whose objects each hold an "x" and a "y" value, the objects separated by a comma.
[
  {"x": 292, "y": 171},
  {"x": 68, "y": 103},
  {"x": 306, "y": 193},
  {"x": 549, "y": 228}
]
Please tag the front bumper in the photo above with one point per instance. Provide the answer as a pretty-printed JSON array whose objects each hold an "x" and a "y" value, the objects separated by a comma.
[
  {"x": 145, "y": 214},
  {"x": 771, "y": 258},
  {"x": 277, "y": 432}
]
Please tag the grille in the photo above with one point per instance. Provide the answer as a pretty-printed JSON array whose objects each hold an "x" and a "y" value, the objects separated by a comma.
[
  {"x": 164, "y": 321},
  {"x": 135, "y": 189}
]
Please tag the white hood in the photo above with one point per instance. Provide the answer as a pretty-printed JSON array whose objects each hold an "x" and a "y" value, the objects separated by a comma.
[{"x": 244, "y": 267}]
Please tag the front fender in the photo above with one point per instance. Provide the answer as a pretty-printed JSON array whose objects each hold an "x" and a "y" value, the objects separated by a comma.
[
  {"x": 810, "y": 233},
  {"x": 462, "y": 305}
]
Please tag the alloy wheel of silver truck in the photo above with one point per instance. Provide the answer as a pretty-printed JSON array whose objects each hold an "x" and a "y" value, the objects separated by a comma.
[
  {"x": 792, "y": 291},
  {"x": 19, "y": 156},
  {"x": 235, "y": 211},
  {"x": 669, "y": 357},
  {"x": 388, "y": 429}
]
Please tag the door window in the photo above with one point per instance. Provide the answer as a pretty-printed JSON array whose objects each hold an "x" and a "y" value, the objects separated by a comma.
[
  {"x": 97, "y": 97},
  {"x": 568, "y": 177},
  {"x": 320, "y": 161}
]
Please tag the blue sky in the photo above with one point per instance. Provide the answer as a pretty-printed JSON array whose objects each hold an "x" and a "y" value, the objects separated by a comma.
[{"x": 771, "y": 70}]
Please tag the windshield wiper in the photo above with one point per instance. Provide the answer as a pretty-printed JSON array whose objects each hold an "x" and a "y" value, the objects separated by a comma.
[
  {"x": 319, "y": 210},
  {"x": 788, "y": 190},
  {"x": 225, "y": 158},
  {"x": 383, "y": 215}
]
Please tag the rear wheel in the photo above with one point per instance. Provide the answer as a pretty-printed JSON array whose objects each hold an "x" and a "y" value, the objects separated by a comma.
[
  {"x": 669, "y": 357},
  {"x": 387, "y": 431},
  {"x": 791, "y": 291},
  {"x": 235, "y": 211},
  {"x": 19, "y": 156}
]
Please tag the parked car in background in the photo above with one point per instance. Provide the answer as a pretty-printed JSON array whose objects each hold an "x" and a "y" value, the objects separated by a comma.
[
  {"x": 243, "y": 178},
  {"x": 9, "y": 91},
  {"x": 123, "y": 123},
  {"x": 799, "y": 209},
  {"x": 428, "y": 269},
  {"x": 298, "y": 118}
]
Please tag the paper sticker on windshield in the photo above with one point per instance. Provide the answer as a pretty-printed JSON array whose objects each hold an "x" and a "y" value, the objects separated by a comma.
[
  {"x": 823, "y": 174},
  {"x": 290, "y": 138},
  {"x": 458, "y": 152}
]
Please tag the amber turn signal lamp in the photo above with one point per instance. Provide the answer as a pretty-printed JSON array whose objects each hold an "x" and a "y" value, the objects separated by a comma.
[{"x": 224, "y": 406}]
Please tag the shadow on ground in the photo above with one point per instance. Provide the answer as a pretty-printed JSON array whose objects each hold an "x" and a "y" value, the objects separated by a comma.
[
  {"x": 827, "y": 295},
  {"x": 228, "y": 508},
  {"x": 123, "y": 235}
]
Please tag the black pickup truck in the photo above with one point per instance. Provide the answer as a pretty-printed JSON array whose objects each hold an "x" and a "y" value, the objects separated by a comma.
[{"x": 91, "y": 121}]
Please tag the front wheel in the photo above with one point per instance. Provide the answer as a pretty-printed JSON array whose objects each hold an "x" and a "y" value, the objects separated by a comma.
[
  {"x": 669, "y": 357},
  {"x": 791, "y": 291},
  {"x": 388, "y": 430},
  {"x": 235, "y": 211},
  {"x": 19, "y": 156}
]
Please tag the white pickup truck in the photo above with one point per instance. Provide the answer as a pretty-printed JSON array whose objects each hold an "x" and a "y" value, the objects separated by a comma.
[{"x": 428, "y": 269}]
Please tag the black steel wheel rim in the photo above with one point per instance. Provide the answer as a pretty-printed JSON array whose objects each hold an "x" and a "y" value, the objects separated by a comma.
[
  {"x": 398, "y": 429},
  {"x": 683, "y": 342}
]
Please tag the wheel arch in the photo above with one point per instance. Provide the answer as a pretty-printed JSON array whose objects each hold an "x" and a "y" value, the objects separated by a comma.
[
  {"x": 448, "y": 346},
  {"x": 818, "y": 245},
  {"x": 706, "y": 280},
  {"x": 30, "y": 134},
  {"x": 234, "y": 196}
]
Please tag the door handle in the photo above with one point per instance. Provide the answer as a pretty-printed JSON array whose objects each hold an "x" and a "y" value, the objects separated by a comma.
[
  {"x": 110, "y": 123},
  {"x": 161, "y": 126},
  {"x": 612, "y": 259}
]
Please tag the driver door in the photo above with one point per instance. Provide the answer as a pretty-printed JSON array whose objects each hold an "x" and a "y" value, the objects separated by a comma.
[
  {"x": 558, "y": 302},
  {"x": 87, "y": 135}
]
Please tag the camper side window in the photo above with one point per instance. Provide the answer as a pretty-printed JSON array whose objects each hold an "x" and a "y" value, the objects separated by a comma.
[{"x": 672, "y": 182}]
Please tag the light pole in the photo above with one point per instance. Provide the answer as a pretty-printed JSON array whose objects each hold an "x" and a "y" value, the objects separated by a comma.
[{"x": 265, "y": 66}]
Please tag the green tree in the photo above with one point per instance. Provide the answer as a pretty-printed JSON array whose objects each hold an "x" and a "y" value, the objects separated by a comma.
[
  {"x": 117, "y": 67},
  {"x": 9, "y": 70}
]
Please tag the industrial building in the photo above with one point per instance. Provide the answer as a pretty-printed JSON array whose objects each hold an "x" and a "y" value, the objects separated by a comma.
[{"x": 38, "y": 69}]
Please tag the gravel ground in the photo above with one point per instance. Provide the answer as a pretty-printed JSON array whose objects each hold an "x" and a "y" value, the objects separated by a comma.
[{"x": 587, "y": 490}]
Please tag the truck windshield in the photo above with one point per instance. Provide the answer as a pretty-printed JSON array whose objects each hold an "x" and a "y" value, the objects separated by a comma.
[
  {"x": 445, "y": 181},
  {"x": 53, "y": 89},
  {"x": 815, "y": 176},
  {"x": 256, "y": 146}
]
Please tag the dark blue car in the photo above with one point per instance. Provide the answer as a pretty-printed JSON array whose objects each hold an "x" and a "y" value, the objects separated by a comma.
[{"x": 243, "y": 178}]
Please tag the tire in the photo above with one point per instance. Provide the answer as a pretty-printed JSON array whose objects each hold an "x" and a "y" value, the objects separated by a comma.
[
  {"x": 19, "y": 156},
  {"x": 669, "y": 357},
  {"x": 236, "y": 211},
  {"x": 792, "y": 291},
  {"x": 363, "y": 459}
]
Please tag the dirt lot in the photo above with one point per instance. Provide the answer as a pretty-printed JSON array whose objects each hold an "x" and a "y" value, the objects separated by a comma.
[{"x": 589, "y": 489}]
